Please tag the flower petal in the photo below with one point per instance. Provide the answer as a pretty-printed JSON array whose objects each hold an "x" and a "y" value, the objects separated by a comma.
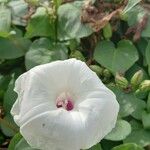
[
  {"x": 100, "y": 111},
  {"x": 55, "y": 130}
]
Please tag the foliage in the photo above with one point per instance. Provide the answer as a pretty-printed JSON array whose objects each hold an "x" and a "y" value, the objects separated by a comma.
[{"x": 111, "y": 36}]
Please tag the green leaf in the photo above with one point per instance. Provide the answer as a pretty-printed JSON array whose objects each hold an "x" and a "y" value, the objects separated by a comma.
[
  {"x": 146, "y": 120},
  {"x": 135, "y": 15},
  {"x": 148, "y": 103},
  {"x": 96, "y": 147},
  {"x": 44, "y": 51},
  {"x": 107, "y": 144},
  {"x": 10, "y": 96},
  {"x": 3, "y": 1},
  {"x": 140, "y": 106},
  {"x": 117, "y": 59},
  {"x": 128, "y": 146},
  {"x": 120, "y": 132},
  {"x": 19, "y": 143},
  {"x": 147, "y": 55},
  {"x": 19, "y": 9},
  {"x": 129, "y": 104},
  {"x": 140, "y": 137},
  {"x": 4, "y": 81},
  {"x": 69, "y": 24},
  {"x": 14, "y": 141},
  {"x": 135, "y": 125},
  {"x": 146, "y": 31},
  {"x": 130, "y": 5},
  {"x": 5, "y": 21},
  {"x": 40, "y": 24},
  {"x": 13, "y": 47},
  {"x": 8, "y": 126}
]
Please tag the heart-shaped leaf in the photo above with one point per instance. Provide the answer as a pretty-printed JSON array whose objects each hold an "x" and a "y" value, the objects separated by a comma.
[
  {"x": 44, "y": 51},
  {"x": 120, "y": 132},
  {"x": 40, "y": 24},
  {"x": 69, "y": 22},
  {"x": 117, "y": 59}
]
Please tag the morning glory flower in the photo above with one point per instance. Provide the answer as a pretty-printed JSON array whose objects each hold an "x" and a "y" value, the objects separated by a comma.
[{"x": 63, "y": 105}]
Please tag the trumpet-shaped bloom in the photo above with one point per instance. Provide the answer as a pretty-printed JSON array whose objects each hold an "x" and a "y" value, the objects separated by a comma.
[{"x": 63, "y": 105}]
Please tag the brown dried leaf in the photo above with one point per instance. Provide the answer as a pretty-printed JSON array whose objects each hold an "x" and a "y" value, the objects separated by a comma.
[{"x": 97, "y": 25}]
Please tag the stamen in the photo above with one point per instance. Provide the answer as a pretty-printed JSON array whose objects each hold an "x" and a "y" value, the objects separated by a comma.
[{"x": 64, "y": 102}]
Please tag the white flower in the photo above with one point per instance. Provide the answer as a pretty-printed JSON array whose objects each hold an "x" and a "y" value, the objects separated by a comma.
[{"x": 63, "y": 105}]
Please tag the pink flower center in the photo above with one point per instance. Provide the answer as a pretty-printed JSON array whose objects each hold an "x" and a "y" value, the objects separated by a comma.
[{"x": 64, "y": 101}]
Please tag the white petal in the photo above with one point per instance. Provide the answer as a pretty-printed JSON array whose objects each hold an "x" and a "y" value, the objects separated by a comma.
[
  {"x": 19, "y": 88},
  {"x": 31, "y": 93},
  {"x": 100, "y": 110},
  {"x": 55, "y": 130}
]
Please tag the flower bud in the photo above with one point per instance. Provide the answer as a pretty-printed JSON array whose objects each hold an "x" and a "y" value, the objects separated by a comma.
[
  {"x": 136, "y": 79},
  {"x": 107, "y": 73},
  {"x": 97, "y": 69},
  {"x": 107, "y": 31},
  {"x": 121, "y": 81},
  {"x": 123, "y": 17},
  {"x": 78, "y": 55},
  {"x": 140, "y": 94},
  {"x": 145, "y": 86}
]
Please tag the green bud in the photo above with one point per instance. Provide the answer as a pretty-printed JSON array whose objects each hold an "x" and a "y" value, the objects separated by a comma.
[
  {"x": 107, "y": 31},
  {"x": 146, "y": 120},
  {"x": 97, "y": 69},
  {"x": 121, "y": 81},
  {"x": 140, "y": 94},
  {"x": 136, "y": 79},
  {"x": 145, "y": 86},
  {"x": 78, "y": 55},
  {"x": 107, "y": 73},
  {"x": 123, "y": 17}
]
